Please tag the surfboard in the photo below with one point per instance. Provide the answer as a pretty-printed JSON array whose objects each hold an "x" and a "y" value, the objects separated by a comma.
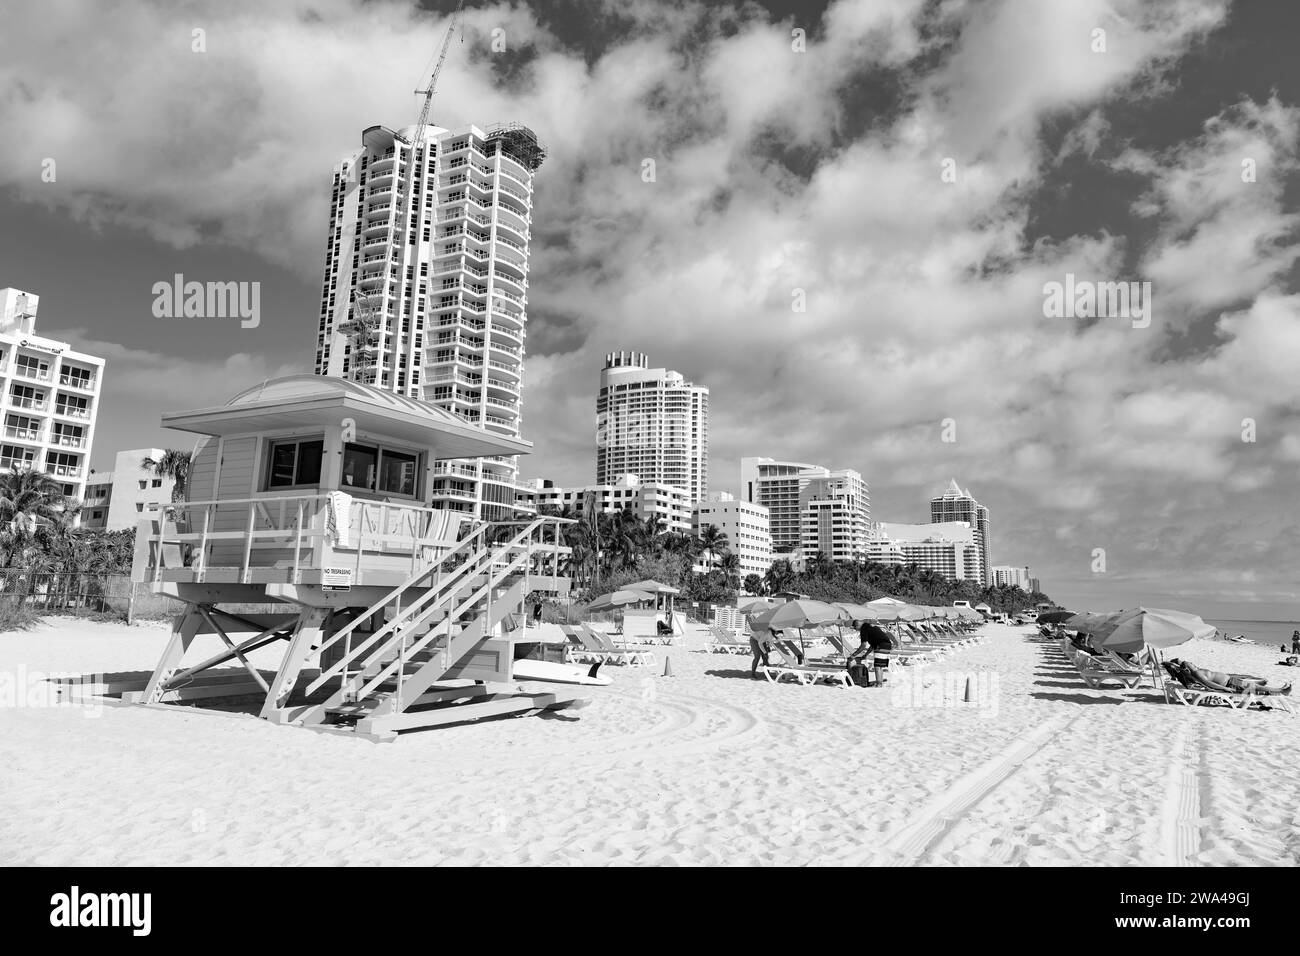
[{"x": 550, "y": 671}]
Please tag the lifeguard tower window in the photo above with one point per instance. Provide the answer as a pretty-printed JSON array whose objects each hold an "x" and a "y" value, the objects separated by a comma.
[
  {"x": 295, "y": 463},
  {"x": 383, "y": 470}
]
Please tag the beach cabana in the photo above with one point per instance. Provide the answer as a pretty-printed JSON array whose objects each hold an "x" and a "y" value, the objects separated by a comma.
[{"x": 310, "y": 494}]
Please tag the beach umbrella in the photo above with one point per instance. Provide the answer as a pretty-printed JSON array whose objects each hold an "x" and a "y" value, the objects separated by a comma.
[
  {"x": 1090, "y": 622},
  {"x": 798, "y": 615},
  {"x": 910, "y": 612},
  {"x": 858, "y": 612},
  {"x": 619, "y": 598},
  {"x": 886, "y": 601},
  {"x": 1156, "y": 627},
  {"x": 801, "y": 614}
]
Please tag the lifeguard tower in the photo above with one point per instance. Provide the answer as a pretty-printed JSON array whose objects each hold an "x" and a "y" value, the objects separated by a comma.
[{"x": 308, "y": 492}]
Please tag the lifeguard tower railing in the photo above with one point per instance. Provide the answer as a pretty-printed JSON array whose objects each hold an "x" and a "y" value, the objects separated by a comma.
[{"x": 301, "y": 539}]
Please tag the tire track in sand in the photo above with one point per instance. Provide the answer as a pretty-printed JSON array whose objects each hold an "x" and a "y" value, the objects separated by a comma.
[
  {"x": 1180, "y": 814},
  {"x": 909, "y": 844}
]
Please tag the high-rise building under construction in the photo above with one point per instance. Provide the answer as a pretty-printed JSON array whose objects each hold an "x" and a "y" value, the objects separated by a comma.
[{"x": 430, "y": 300}]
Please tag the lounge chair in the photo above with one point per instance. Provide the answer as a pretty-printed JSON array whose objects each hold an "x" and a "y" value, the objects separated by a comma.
[
  {"x": 1192, "y": 687},
  {"x": 724, "y": 641},
  {"x": 806, "y": 673},
  {"x": 633, "y": 656}
]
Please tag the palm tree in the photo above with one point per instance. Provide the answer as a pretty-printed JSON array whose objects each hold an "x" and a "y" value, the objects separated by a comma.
[
  {"x": 729, "y": 565},
  {"x": 28, "y": 500},
  {"x": 175, "y": 465},
  {"x": 778, "y": 576},
  {"x": 713, "y": 541}
]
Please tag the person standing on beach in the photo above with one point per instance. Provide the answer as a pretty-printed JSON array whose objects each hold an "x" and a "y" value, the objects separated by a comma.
[
  {"x": 1295, "y": 642},
  {"x": 875, "y": 642},
  {"x": 758, "y": 646}
]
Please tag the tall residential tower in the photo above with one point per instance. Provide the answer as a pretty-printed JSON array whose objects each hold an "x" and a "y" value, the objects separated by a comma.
[
  {"x": 957, "y": 505},
  {"x": 430, "y": 301},
  {"x": 653, "y": 423},
  {"x": 812, "y": 509}
]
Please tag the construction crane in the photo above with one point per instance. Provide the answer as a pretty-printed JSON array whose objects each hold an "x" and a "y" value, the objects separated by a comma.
[{"x": 363, "y": 329}]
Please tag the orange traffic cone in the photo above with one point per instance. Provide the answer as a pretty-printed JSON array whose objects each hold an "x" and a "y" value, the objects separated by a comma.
[
  {"x": 668, "y": 667},
  {"x": 969, "y": 696}
]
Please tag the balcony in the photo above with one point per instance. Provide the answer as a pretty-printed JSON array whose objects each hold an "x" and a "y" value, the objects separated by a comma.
[
  {"x": 35, "y": 404},
  {"x": 64, "y": 471},
  {"x": 68, "y": 441},
  {"x": 32, "y": 374},
  {"x": 16, "y": 464},
  {"x": 84, "y": 383}
]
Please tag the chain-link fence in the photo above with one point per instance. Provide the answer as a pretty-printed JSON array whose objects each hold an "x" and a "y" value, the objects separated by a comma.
[{"x": 63, "y": 593}]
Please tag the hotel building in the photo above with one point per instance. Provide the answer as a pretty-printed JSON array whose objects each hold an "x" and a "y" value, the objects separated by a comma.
[
  {"x": 670, "y": 504},
  {"x": 745, "y": 525},
  {"x": 1016, "y": 577},
  {"x": 653, "y": 423},
  {"x": 957, "y": 505},
  {"x": 51, "y": 398},
  {"x": 115, "y": 499},
  {"x": 430, "y": 301},
  {"x": 812, "y": 509},
  {"x": 947, "y": 548}
]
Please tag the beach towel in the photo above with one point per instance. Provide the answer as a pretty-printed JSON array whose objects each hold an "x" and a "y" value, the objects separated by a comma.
[{"x": 338, "y": 518}]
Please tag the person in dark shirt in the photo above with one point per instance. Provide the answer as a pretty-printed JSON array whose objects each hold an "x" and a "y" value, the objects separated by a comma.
[{"x": 875, "y": 642}]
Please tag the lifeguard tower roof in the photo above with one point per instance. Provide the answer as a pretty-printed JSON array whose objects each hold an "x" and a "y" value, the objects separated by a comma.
[{"x": 308, "y": 400}]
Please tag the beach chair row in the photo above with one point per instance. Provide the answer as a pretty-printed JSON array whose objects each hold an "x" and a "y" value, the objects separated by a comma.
[
  {"x": 1098, "y": 668},
  {"x": 586, "y": 645},
  {"x": 830, "y": 667}
]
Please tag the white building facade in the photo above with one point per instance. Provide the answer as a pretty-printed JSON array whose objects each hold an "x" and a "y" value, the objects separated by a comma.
[
  {"x": 653, "y": 423},
  {"x": 670, "y": 505},
  {"x": 115, "y": 499},
  {"x": 812, "y": 508},
  {"x": 431, "y": 301},
  {"x": 746, "y": 526},
  {"x": 1016, "y": 577},
  {"x": 947, "y": 548},
  {"x": 51, "y": 398}
]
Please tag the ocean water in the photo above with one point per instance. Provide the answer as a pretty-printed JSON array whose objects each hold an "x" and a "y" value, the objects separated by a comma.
[{"x": 1271, "y": 633}]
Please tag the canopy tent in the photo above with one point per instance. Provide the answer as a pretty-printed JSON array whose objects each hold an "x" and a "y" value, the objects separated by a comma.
[
  {"x": 886, "y": 601},
  {"x": 619, "y": 598},
  {"x": 653, "y": 587}
]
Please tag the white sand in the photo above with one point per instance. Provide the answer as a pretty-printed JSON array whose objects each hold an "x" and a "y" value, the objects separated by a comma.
[{"x": 705, "y": 766}]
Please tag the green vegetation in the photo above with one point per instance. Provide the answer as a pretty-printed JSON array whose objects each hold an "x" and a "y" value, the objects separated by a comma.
[{"x": 612, "y": 550}]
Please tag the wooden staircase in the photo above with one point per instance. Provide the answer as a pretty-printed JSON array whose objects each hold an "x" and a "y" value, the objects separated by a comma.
[{"x": 437, "y": 638}]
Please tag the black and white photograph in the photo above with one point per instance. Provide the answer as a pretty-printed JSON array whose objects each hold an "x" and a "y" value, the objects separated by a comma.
[{"x": 652, "y": 433}]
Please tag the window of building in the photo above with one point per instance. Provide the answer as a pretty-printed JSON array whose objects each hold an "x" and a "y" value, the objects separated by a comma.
[
  {"x": 156, "y": 483},
  {"x": 295, "y": 463},
  {"x": 383, "y": 470}
]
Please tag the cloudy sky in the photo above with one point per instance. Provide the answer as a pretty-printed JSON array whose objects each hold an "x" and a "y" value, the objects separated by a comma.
[{"x": 920, "y": 170}]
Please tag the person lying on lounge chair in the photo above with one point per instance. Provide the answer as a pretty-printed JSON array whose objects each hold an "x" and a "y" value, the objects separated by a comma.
[{"x": 1241, "y": 683}]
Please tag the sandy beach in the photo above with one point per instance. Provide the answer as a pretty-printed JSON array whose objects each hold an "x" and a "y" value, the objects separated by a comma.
[{"x": 703, "y": 767}]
